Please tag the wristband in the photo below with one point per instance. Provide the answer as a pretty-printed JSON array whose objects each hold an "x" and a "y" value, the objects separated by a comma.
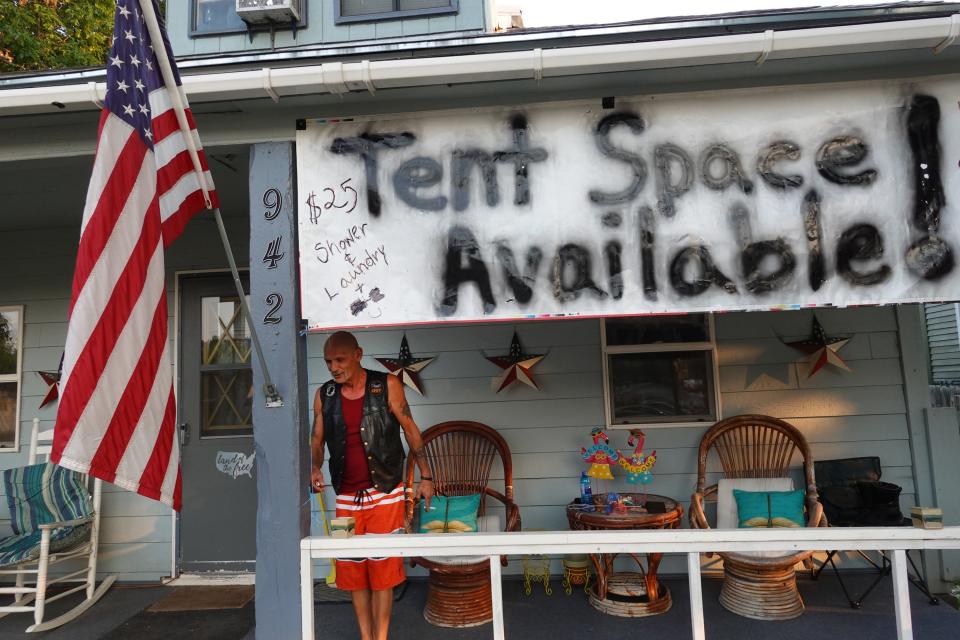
[{"x": 430, "y": 478}]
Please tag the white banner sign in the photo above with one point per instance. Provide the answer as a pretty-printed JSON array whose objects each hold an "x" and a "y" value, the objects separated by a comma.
[{"x": 829, "y": 195}]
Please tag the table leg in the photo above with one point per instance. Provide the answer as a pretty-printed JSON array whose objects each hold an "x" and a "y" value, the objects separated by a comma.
[
  {"x": 653, "y": 587},
  {"x": 601, "y": 566}
]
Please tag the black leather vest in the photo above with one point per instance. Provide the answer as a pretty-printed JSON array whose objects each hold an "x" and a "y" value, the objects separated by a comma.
[{"x": 379, "y": 432}]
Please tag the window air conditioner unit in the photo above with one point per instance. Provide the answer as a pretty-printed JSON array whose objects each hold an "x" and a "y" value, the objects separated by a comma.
[{"x": 269, "y": 11}]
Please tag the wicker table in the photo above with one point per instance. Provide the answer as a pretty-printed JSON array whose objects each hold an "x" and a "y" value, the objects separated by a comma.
[{"x": 630, "y": 594}]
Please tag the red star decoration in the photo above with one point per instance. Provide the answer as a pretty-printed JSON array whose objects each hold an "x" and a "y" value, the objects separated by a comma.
[
  {"x": 822, "y": 349},
  {"x": 52, "y": 378},
  {"x": 406, "y": 367},
  {"x": 516, "y": 365}
]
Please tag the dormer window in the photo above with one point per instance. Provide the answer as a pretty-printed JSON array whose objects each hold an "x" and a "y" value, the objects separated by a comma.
[
  {"x": 368, "y": 10},
  {"x": 215, "y": 16}
]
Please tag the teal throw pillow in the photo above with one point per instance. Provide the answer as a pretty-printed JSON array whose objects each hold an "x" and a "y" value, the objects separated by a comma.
[
  {"x": 769, "y": 508},
  {"x": 453, "y": 514}
]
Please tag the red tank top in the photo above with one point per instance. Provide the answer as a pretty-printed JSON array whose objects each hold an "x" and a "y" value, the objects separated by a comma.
[{"x": 356, "y": 473}]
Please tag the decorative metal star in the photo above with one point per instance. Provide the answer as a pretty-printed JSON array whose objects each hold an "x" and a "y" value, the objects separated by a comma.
[
  {"x": 822, "y": 349},
  {"x": 52, "y": 378},
  {"x": 406, "y": 367},
  {"x": 516, "y": 365}
]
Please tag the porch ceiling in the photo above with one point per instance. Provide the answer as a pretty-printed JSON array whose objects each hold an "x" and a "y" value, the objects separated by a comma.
[{"x": 49, "y": 193}]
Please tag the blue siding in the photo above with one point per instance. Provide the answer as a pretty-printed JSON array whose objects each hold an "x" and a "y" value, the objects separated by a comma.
[
  {"x": 944, "y": 342},
  {"x": 321, "y": 29}
]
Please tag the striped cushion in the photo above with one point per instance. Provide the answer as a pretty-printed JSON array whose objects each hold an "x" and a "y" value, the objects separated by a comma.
[
  {"x": 25, "y": 547},
  {"x": 43, "y": 493}
]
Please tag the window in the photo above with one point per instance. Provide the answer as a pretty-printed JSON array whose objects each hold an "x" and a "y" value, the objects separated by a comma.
[
  {"x": 365, "y": 10},
  {"x": 226, "y": 379},
  {"x": 11, "y": 349},
  {"x": 660, "y": 370},
  {"x": 216, "y": 16},
  {"x": 211, "y": 17}
]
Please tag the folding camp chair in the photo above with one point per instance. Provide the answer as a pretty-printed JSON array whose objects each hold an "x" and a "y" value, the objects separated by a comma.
[
  {"x": 53, "y": 521},
  {"x": 853, "y": 496}
]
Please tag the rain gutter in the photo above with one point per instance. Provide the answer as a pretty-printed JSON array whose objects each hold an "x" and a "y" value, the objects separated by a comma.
[{"x": 371, "y": 75}]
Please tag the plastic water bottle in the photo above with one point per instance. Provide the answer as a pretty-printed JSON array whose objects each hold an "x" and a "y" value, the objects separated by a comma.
[{"x": 586, "y": 493}]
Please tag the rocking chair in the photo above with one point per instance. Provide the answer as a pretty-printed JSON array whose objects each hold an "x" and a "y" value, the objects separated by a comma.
[
  {"x": 460, "y": 456},
  {"x": 53, "y": 522},
  {"x": 756, "y": 451}
]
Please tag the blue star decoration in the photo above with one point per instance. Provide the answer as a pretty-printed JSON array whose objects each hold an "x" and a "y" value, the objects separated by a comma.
[
  {"x": 406, "y": 367},
  {"x": 517, "y": 366},
  {"x": 821, "y": 348}
]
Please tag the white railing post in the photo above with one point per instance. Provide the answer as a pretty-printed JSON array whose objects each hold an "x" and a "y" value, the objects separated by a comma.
[
  {"x": 696, "y": 596},
  {"x": 496, "y": 597},
  {"x": 901, "y": 596},
  {"x": 306, "y": 591}
]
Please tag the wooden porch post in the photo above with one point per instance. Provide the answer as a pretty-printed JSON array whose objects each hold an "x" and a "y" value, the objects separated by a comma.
[{"x": 280, "y": 433}]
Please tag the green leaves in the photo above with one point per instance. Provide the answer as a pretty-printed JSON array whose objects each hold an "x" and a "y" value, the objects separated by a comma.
[{"x": 54, "y": 34}]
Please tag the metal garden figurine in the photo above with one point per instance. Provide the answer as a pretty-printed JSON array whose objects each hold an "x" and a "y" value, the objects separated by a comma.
[
  {"x": 639, "y": 465},
  {"x": 600, "y": 456}
]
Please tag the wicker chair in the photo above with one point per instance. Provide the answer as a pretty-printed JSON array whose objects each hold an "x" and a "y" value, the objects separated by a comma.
[
  {"x": 461, "y": 455},
  {"x": 762, "y": 586}
]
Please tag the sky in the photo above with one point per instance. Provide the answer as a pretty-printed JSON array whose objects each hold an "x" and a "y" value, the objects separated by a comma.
[{"x": 544, "y": 13}]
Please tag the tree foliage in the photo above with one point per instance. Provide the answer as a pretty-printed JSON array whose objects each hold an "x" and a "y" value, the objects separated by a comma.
[
  {"x": 54, "y": 34},
  {"x": 8, "y": 346}
]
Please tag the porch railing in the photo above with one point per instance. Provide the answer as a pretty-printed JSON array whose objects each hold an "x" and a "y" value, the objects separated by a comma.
[{"x": 896, "y": 540}]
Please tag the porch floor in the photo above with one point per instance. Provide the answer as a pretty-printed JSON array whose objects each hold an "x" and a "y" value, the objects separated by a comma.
[{"x": 560, "y": 616}]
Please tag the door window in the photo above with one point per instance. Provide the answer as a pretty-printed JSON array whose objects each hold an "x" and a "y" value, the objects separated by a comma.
[{"x": 226, "y": 379}]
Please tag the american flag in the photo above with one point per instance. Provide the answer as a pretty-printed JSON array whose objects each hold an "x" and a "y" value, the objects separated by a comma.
[{"x": 117, "y": 409}]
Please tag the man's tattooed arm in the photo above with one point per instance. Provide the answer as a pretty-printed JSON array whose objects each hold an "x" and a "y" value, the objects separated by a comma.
[{"x": 401, "y": 409}]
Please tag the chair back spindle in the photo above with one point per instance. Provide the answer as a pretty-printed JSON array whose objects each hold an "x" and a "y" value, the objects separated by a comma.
[{"x": 41, "y": 444}]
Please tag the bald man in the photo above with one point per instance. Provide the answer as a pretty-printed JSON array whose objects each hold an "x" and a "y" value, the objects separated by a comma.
[{"x": 359, "y": 416}]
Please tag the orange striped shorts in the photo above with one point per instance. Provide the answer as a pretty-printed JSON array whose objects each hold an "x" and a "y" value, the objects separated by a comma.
[{"x": 374, "y": 512}]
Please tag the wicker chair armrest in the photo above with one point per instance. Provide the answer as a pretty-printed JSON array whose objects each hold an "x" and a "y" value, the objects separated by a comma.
[
  {"x": 66, "y": 523},
  {"x": 493, "y": 493},
  {"x": 513, "y": 517},
  {"x": 513, "y": 514},
  {"x": 513, "y": 510},
  {"x": 815, "y": 516},
  {"x": 697, "y": 516},
  {"x": 410, "y": 504}
]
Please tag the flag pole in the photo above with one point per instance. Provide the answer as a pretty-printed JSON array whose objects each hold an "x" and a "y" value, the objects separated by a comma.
[{"x": 273, "y": 398}]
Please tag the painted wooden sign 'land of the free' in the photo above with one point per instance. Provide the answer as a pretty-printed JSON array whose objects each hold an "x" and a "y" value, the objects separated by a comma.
[{"x": 828, "y": 195}]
